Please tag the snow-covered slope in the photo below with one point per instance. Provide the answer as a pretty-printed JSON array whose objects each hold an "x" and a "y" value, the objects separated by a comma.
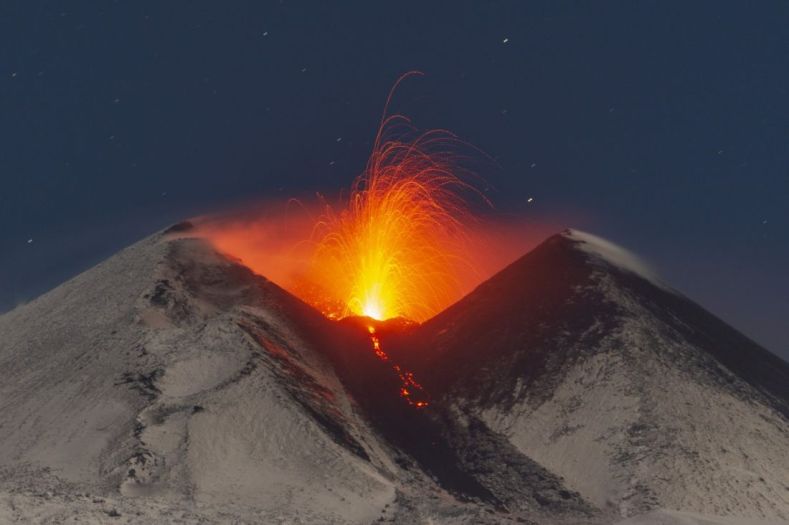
[
  {"x": 172, "y": 374},
  {"x": 636, "y": 396}
]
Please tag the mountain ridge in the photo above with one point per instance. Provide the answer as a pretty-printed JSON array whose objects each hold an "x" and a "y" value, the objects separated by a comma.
[
  {"x": 564, "y": 351},
  {"x": 171, "y": 378}
]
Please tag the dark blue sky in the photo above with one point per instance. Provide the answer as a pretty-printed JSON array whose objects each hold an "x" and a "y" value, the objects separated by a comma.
[{"x": 663, "y": 126}]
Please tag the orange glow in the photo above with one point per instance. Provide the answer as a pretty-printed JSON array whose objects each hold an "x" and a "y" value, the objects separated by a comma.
[
  {"x": 269, "y": 240},
  {"x": 396, "y": 248}
]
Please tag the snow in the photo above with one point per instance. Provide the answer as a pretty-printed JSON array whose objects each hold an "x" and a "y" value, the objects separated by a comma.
[{"x": 605, "y": 251}]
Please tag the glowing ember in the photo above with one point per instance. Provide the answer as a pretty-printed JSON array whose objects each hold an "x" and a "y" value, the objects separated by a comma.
[
  {"x": 410, "y": 390},
  {"x": 396, "y": 249}
]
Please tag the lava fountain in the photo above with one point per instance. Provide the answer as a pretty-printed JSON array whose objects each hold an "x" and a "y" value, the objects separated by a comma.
[{"x": 397, "y": 246}]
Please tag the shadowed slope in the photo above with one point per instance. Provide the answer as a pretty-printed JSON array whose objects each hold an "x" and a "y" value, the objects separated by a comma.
[{"x": 634, "y": 394}]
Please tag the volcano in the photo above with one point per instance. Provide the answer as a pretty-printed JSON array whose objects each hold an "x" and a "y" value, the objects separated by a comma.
[{"x": 171, "y": 383}]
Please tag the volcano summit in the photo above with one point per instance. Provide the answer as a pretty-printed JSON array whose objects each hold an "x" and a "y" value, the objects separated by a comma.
[{"x": 170, "y": 383}]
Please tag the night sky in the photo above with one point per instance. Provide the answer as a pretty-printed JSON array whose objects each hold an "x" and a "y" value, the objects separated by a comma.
[{"x": 663, "y": 126}]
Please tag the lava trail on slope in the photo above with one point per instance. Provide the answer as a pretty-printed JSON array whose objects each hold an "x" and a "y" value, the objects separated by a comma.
[
  {"x": 418, "y": 432},
  {"x": 410, "y": 389}
]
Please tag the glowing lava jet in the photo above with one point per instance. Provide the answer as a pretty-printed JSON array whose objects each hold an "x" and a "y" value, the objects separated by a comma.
[{"x": 397, "y": 247}]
